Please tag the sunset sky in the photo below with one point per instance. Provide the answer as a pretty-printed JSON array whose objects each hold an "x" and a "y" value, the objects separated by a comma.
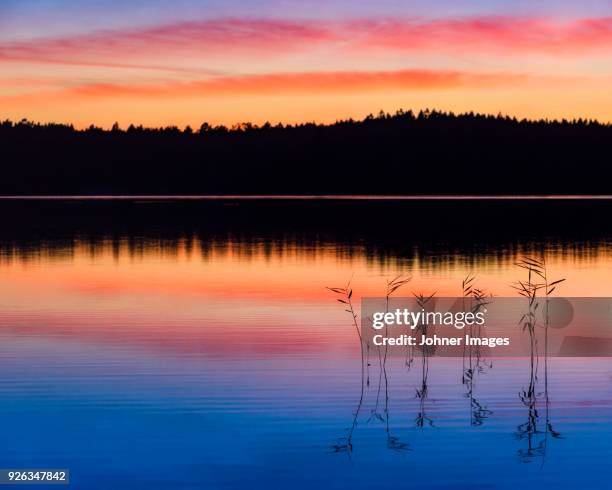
[{"x": 183, "y": 62}]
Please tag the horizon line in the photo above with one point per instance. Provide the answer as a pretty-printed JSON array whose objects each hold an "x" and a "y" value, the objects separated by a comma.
[
  {"x": 240, "y": 125},
  {"x": 310, "y": 197}
]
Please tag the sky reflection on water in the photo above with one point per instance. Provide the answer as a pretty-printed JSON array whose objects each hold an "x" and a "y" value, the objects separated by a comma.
[{"x": 139, "y": 362}]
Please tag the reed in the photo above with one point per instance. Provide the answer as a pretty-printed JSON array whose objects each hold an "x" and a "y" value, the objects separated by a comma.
[
  {"x": 535, "y": 288},
  {"x": 394, "y": 443},
  {"x": 422, "y": 393},
  {"x": 345, "y": 297},
  {"x": 475, "y": 300},
  {"x": 393, "y": 285}
]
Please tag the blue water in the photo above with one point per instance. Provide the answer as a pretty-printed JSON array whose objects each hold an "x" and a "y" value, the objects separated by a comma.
[
  {"x": 148, "y": 364},
  {"x": 126, "y": 418}
]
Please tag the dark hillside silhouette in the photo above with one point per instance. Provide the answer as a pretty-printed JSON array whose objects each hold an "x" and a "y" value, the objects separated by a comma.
[{"x": 406, "y": 153}]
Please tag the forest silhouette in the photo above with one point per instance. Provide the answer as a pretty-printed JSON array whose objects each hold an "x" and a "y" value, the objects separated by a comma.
[{"x": 429, "y": 152}]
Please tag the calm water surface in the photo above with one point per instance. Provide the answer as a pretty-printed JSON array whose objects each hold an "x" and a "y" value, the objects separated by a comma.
[{"x": 151, "y": 346}]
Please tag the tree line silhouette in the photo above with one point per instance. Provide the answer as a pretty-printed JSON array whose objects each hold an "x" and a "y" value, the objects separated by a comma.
[{"x": 429, "y": 152}]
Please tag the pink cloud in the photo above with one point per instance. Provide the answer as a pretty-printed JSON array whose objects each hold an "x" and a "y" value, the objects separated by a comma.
[
  {"x": 203, "y": 40},
  {"x": 503, "y": 35},
  {"x": 161, "y": 46}
]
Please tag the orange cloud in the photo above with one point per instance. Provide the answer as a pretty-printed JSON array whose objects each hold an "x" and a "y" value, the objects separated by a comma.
[
  {"x": 290, "y": 84},
  {"x": 304, "y": 83}
]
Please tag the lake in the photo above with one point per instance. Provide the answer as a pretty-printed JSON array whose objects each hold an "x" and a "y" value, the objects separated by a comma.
[{"x": 153, "y": 344}]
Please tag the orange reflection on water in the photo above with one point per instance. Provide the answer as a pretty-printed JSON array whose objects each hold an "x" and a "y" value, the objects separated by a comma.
[{"x": 258, "y": 296}]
